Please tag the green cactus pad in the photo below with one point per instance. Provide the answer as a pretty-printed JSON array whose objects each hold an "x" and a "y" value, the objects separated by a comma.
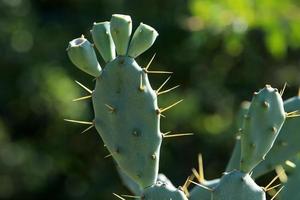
[
  {"x": 126, "y": 117},
  {"x": 234, "y": 162},
  {"x": 236, "y": 185},
  {"x": 261, "y": 126},
  {"x": 143, "y": 38},
  {"x": 205, "y": 192},
  {"x": 83, "y": 56},
  {"x": 121, "y": 28},
  {"x": 163, "y": 191},
  {"x": 286, "y": 145},
  {"x": 103, "y": 40}
]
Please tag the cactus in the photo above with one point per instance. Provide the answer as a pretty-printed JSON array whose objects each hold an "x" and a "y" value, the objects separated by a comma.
[
  {"x": 261, "y": 126},
  {"x": 266, "y": 110},
  {"x": 125, "y": 106},
  {"x": 83, "y": 56},
  {"x": 287, "y": 144},
  {"x": 203, "y": 191},
  {"x": 234, "y": 162},
  {"x": 127, "y": 117}
]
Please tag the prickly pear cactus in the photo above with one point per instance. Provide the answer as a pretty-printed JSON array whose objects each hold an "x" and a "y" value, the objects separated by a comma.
[
  {"x": 127, "y": 116},
  {"x": 234, "y": 162},
  {"x": 286, "y": 145},
  {"x": 261, "y": 126}
]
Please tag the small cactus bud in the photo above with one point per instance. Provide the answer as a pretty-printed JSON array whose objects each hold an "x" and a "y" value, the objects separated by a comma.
[{"x": 83, "y": 56}]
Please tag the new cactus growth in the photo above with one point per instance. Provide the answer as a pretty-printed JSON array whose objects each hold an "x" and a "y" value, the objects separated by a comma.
[
  {"x": 83, "y": 56},
  {"x": 103, "y": 40},
  {"x": 121, "y": 28},
  {"x": 127, "y": 118}
]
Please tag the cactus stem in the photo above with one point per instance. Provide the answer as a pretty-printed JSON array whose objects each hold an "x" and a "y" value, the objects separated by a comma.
[
  {"x": 171, "y": 106},
  {"x": 79, "y": 122},
  {"x": 277, "y": 193},
  {"x": 118, "y": 196},
  {"x": 82, "y": 98},
  {"x": 84, "y": 87},
  {"x": 148, "y": 65},
  {"x": 168, "y": 90},
  {"x": 283, "y": 89},
  {"x": 110, "y": 108},
  {"x": 177, "y": 135},
  {"x": 85, "y": 130}
]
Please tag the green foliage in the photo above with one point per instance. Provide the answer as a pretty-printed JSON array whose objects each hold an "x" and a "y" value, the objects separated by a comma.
[{"x": 279, "y": 20}]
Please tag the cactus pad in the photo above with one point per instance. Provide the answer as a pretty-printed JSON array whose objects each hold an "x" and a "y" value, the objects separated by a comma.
[
  {"x": 261, "y": 126},
  {"x": 127, "y": 116}
]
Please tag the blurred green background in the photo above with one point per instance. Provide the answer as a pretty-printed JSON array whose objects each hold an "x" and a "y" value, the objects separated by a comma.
[{"x": 220, "y": 52}]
